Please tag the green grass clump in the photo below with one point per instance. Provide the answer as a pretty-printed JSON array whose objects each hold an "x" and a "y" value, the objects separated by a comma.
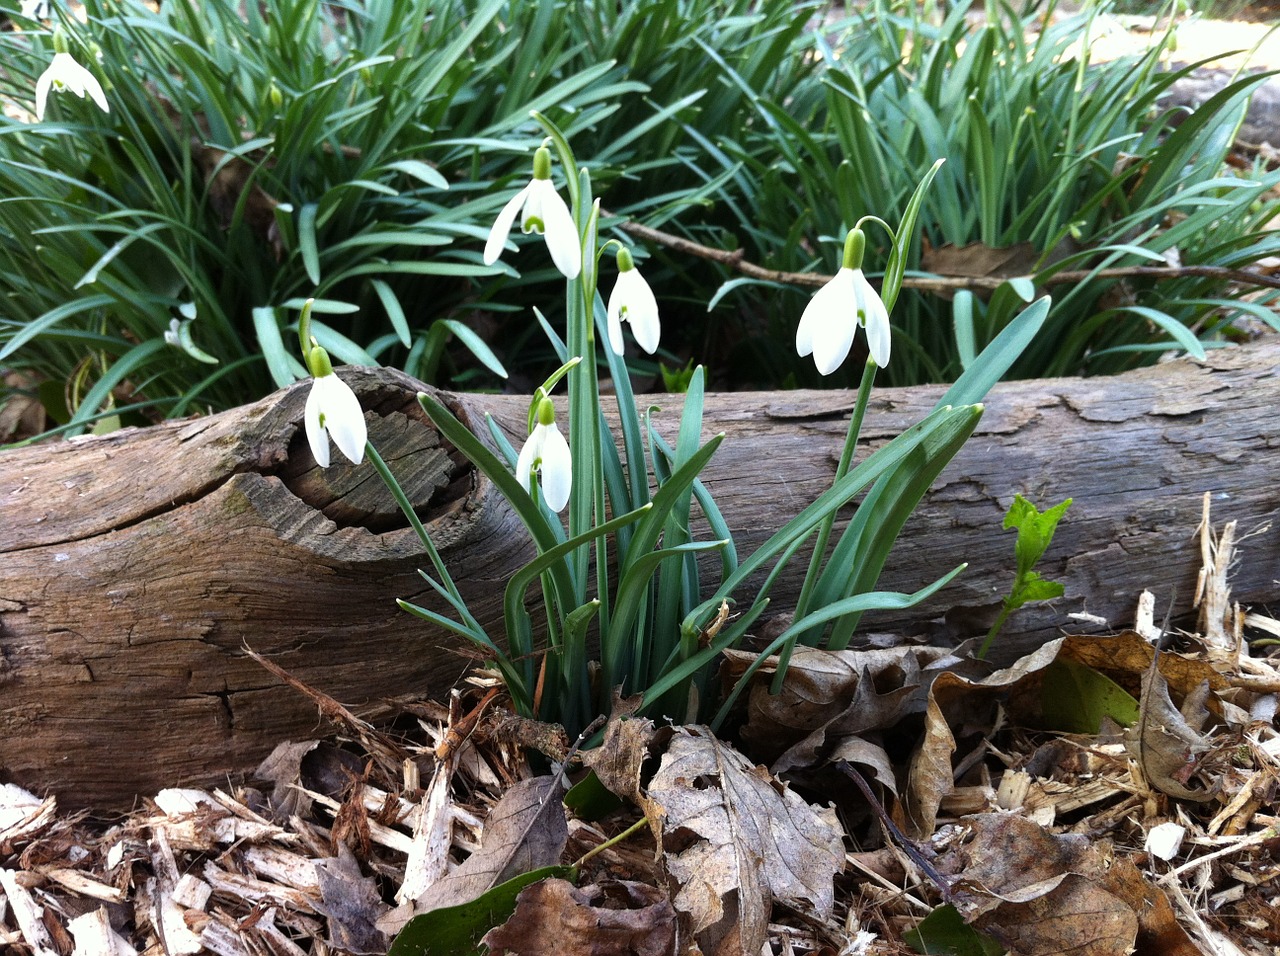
[
  {"x": 357, "y": 152},
  {"x": 352, "y": 152},
  {"x": 1070, "y": 163}
]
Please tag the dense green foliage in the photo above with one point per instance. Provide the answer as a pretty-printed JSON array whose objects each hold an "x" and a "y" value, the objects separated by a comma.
[{"x": 248, "y": 163}]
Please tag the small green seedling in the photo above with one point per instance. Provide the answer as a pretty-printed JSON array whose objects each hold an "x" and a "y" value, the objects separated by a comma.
[
  {"x": 676, "y": 380},
  {"x": 1035, "y": 532}
]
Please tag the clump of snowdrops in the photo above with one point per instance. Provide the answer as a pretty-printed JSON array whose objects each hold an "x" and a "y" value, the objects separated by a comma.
[{"x": 610, "y": 512}]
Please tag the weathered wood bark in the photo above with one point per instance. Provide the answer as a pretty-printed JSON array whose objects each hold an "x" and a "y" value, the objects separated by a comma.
[{"x": 139, "y": 566}]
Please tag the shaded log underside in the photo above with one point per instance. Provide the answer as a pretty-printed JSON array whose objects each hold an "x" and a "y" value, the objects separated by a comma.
[{"x": 139, "y": 566}]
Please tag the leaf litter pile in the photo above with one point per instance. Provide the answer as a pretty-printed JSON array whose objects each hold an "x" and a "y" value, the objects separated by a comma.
[{"x": 1102, "y": 795}]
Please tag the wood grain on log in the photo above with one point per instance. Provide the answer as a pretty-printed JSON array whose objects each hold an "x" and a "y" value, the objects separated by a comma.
[{"x": 138, "y": 566}]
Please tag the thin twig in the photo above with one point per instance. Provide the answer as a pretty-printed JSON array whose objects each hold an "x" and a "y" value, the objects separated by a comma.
[
  {"x": 736, "y": 260},
  {"x": 906, "y": 844}
]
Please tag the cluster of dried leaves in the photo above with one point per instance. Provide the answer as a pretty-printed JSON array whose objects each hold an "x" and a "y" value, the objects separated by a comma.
[{"x": 1009, "y": 810}]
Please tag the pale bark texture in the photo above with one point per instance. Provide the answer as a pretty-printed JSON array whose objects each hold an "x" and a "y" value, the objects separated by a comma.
[{"x": 139, "y": 566}]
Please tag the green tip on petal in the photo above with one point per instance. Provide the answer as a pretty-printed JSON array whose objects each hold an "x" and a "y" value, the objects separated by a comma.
[
  {"x": 855, "y": 244},
  {"x": 625, "y": 262},
  {"x": 542, "y": 163}
]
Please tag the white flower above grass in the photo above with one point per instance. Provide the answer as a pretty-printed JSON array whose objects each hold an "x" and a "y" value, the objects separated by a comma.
[
  {"x": 541, "y": 210},
  {"x": 333, "y": 411},
  {"x": 831, "y": 319},
  {"x": 35, "y": 9},
  {"x": 64, "y": 73},
  {"x": 547, "y": 453},
  {"x": 632, "y": 301}
]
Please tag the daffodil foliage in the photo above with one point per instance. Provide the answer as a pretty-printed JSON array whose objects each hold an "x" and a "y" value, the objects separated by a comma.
[{"x": 610, "y": 511}]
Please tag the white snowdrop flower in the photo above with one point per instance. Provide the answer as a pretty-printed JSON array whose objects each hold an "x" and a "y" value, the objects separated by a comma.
[
  {"x": 547, "y": 453},
  {"x": 831, "y": 319},
  {"x": 632, "y": 301},
  {"x": 35, "y": 9},
  {"x": 333, "y": 411},
  {"x": 64, "y": 73},
  {"x": 541, "y": 210}
]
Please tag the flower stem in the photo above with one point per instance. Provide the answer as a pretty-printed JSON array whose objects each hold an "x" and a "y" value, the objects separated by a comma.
[
  {"x": 824, "y": 529},
  {"x": 643, "y": 821}
]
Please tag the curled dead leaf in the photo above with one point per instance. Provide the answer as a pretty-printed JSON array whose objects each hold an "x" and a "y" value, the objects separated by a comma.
[
  {"x": 1039, "y": 893},
  {"x": 619, "y": 918}
]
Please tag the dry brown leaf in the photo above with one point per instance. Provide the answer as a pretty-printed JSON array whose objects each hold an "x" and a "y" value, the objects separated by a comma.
[
  {"x": 620, "y": 756},
  {"x": 929, "y": 776},
  {"x": 553, "y": 917},
  {"x": 1159, "y": 933},
  {"x": 1126, "y": 658},
  {"x": 831, "y": 695},
  {"x": 1037, "y": 893},
  {"x": 526, "y": 830},
  {"x": 1165, "y": 745},
  {"x": 735, "y": 839},
  {"x": 978, "y": 260}
]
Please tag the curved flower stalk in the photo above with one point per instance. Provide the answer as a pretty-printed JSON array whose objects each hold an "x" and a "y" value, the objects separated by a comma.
[
  {"x": 64, "y": 73},
  {"x": 633, "y": 301},
  {"x": 546, "y": 452},
  {"x": 541, "y": 210},
  {"x": 831, "y": 319}
]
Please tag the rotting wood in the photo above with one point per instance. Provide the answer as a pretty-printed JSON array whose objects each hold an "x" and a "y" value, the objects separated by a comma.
[{"x": 139, "y": 566}]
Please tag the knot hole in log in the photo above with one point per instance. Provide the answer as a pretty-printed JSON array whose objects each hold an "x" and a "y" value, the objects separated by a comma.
[{"x": 435, "y": 476}]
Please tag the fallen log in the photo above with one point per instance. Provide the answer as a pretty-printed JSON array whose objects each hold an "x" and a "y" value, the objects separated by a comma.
[{"x": 139, "y": 567}]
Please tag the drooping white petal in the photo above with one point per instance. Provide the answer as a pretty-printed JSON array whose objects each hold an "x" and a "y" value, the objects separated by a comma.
[
  {"x": 317, "y": 437},
  {"x": 333, "y": 411},
  {"x": 561, "y": 235},
  {"x": 529, "y": 454},
  {"x": 633, "y": 301},
  {"x": 875, "y": 317},
  {"x": 502, "y": 226},
  {"x": 829, "y": 322},
  {"x": 94, "y": 89},
  {"x": 615, "y": 328},
  {"x": 557, "y": 468},
  {"x": 42, "y": 91},
  {"x": 344, "y": 418}
]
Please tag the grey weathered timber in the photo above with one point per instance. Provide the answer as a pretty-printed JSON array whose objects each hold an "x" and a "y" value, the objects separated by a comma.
[{"x": 138, "y": 567}]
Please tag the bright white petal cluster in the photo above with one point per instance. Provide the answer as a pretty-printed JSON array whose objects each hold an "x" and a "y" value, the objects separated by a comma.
[
  {"x": 64, "y": 73},
  {"x": 333, "y": 411},
  {"x": 632, "y": 301},
  {"x": 832, "y": 317},
  {"x": 547, "y": 453},
  {"x": 541, "y": 210}
]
